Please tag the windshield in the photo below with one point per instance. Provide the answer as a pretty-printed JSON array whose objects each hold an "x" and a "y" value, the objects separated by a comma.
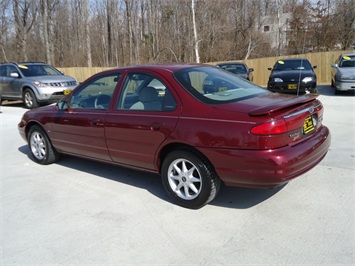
[
  {"x": 29, "y": 70},
  {"x": 348, "y": 61},
  {"x": 214, "y": 85},
  {"x": 301, "y": 64}
]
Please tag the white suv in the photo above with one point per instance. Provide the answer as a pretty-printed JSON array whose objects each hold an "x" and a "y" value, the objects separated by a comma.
[{"x": 34, "y": 83}]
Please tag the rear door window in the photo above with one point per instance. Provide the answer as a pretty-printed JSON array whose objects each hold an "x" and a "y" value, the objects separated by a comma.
[{"x": 145, "y": 92}]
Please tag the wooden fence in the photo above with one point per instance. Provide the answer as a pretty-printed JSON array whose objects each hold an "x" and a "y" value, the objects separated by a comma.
[{"x": 322, "y": 60}]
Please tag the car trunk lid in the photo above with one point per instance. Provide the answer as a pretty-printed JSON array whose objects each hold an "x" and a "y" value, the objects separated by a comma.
[{"x": 278, "y": 122}]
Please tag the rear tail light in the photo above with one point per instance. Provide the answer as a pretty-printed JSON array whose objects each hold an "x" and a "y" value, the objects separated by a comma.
[{"x": 273, "y": 127}]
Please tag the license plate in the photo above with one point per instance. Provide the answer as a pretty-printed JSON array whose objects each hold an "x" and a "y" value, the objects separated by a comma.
[
  {"x": 292, "y": 86},
  {"x": 308, "y": 125},
  {"x": 66, "y": 92}
]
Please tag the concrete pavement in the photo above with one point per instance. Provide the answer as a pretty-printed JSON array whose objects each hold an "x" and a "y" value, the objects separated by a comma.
[{"x": 80, "y": 212}]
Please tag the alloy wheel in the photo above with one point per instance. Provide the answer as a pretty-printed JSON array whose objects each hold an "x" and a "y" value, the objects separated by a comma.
[
  {"x": 38, "y": 146},
  {"x": 184, "y": 179}
]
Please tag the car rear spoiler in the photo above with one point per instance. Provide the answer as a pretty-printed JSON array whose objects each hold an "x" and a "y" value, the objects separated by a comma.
[{"x": 266, "y": 110}]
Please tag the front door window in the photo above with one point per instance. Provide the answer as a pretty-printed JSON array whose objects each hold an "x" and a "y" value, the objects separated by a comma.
[{"x": 97, "y": 94}]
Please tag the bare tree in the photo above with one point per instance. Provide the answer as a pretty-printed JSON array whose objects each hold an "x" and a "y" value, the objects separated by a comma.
[
  {"x": 48, "y": 9},
  {"x": 63, "y": 36},
  {"x": 25, "y": 12},
  {"x": 87, "y": 33},
  {"x": 129, "y": 28},
  {"x": 299, "y": 26},
  {"x": 4, "y": 26},
  {"x": 321, "y": 26},
  {"x": 126, "y": 32},
  {"x": 251, "y": 29},
  {"x": 344, "y": 19},
  {"x": 111, "y": 6}
]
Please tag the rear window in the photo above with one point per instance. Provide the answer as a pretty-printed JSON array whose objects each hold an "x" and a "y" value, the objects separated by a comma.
[
  {"x": 213, "y": 85},
  {"x": 234, "y": 68}
]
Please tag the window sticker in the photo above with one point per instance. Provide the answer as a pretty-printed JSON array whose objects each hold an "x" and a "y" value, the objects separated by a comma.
[
  {"x": 346, "y": 57},
  {"x": 281, "y": 62},
  {"x": 22, "y": 66}
]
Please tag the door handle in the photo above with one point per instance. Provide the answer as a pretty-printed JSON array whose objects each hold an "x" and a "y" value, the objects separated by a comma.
[
  {"x": 155, "y": 126},
  {"x": 97, "y": 123}
]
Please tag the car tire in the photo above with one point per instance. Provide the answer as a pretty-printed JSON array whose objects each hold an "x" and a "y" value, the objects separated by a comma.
[
  {"x": 29, "y": 99},
  {"x": 189, "y": 179},
  {"x": 40, "y": 146}
]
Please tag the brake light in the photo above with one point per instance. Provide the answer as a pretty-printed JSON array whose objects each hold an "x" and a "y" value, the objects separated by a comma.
[{"x": 270, "y": 128}]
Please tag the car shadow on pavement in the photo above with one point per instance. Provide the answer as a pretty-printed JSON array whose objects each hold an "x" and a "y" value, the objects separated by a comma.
[
  {"x": 243, "y": 198},
  {"x": 145, "y": 180},
  {"x": 228, "y": 197}
]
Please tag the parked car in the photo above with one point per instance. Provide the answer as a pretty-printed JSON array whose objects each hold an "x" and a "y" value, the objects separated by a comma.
[
  {"x": 292, "y": 75},
  {"x": 34, "y": 83},
  {"x": 239, "y": 69},
  {"x": 158, "y": 119},
  {"x": 343, "y": 73}
]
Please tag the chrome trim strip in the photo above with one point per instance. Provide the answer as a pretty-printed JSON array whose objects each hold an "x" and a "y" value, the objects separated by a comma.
[{"x": 309, "y": 109}]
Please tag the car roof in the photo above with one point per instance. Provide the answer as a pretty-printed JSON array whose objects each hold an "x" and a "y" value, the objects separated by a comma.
[
  {"x": 33, "y": 63},
  {"x": 24, "y": 63},
  {"x": 351, "y": 54},
  {"x": 165, "y": 67},
  {"x": 293, "y": 59},
  {"x": 231, "y": 63}
]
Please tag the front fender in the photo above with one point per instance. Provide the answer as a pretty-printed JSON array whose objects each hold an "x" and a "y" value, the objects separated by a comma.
[{"x": 30, "y": 86}]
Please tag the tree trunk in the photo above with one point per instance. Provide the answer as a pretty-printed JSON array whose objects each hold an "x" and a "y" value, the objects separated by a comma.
[
  {"x": 44, "y": 13},
  {"x": 87, "y": 34},
  {"x": 195, "y": 31}
]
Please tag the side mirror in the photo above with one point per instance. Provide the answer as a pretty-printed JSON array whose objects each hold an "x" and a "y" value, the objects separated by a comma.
[
  {"x": 62, "y": 105},
  {"x": 314, "y": 67},
  {"x": 269, "y": 68},
  {"x": 14, "y": 75},
  {"x": 251, "y": 70},
  {"x": 335, "y": 65}
]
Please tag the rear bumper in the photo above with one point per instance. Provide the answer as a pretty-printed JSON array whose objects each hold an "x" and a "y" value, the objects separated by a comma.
[{"x": 269, "y": 168}]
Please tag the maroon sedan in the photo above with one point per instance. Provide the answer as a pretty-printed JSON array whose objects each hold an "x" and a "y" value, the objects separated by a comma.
[{"x": 195, "y": 125}]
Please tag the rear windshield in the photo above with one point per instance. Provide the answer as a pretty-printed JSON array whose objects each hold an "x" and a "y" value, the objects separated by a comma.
[
  {"x": 214, "y": 85},
  {"x": 234, "y": 68}
]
